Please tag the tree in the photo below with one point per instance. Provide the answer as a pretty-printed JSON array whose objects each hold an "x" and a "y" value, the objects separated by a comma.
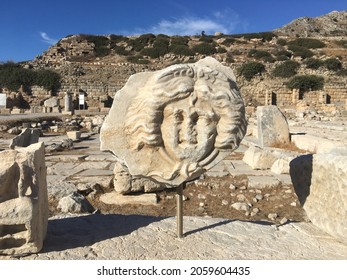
[
  {"x": 250, "y": 69},
  {"x": 306, "y": 82}
]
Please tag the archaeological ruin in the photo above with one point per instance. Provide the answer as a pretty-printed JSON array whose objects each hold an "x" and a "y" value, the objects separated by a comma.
[{"x": 250, "y": 133}]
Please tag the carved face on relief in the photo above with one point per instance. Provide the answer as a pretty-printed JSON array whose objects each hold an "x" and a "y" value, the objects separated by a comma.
[
  {"x": 189, "y": 129},
  {"x": 186, "y": 115}
]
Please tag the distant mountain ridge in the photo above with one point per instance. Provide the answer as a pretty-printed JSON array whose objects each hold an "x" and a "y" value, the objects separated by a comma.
[{"x": 329, "y": 25}]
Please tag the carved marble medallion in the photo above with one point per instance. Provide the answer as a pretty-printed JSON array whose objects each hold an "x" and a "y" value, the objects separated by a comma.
[{"x": 174, "y": 124}]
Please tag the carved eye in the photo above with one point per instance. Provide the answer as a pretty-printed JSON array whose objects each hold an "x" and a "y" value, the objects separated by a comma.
[{"x": 178, "y": 116}]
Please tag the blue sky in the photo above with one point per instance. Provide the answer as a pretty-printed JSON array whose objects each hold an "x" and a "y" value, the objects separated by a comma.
[{"x": 29, "y": 27}]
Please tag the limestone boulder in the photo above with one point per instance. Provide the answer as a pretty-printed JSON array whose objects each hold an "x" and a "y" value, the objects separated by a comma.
[
  {"x": 23, "y": 200},
  {"x": 51, "y": 102},
  {"x": 272, "y": 126},
  {"x": 320, "y": 182},
  {"x": 258, "y": 158},
  {"x": 125, "y": 183}
]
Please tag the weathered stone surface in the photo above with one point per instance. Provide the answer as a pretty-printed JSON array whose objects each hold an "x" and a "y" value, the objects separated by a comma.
[
  {"x": 75, "y": 203},
  {"x": 258, "y": 158},
  {"x": 74, "y": 135},
  {"x": 272, "y": 126},
  {"x": 27, "y": 137},
  {"x": 281, "y": 166},
  {"x": 23, "y": 200},
  {"x": 124, "y": 183},
  {"x": 119, "y": 199},
  {"x": 174, "y": 124},
  {"x": 316, "y": 144},
  {"x": 261, "y": 182},
  {"x": 51, "y": 102},
  {"x": 320, "y": 182}
]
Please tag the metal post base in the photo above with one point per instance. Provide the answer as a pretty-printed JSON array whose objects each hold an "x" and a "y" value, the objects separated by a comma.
[{"x": 179, "y": 197}]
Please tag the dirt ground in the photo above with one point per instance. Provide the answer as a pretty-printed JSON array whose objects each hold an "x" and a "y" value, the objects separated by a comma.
[{"x": 213, "y": 197}]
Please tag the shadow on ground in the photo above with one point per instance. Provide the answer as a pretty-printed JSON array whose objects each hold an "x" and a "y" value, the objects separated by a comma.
[{"x": 74, "y": 232}]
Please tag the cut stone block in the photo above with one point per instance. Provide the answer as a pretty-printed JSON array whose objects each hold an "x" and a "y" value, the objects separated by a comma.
[
  {"x": 272, "y": 126},
  {"x": 74, "y": 135},
  {"x": 320, "y": 181},
  {"x": 261, "y": 182},
  {"x": 281, "y": 166},
  {"x": 119, "y": 199},
  {"x": 23, "y": 200},
  {"x": 258, "y": 158}
]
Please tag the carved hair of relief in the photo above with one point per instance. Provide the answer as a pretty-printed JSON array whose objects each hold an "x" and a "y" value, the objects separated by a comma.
[{"x": 188, "y": 114}]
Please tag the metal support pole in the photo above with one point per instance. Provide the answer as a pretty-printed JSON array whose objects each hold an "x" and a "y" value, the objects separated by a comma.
[{"x": 179, "y": 197}]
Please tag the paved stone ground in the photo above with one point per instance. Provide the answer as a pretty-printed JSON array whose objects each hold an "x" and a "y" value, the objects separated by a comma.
[
  {"x": 141, "y": 238},
  {"x": 114, "y": 236}
]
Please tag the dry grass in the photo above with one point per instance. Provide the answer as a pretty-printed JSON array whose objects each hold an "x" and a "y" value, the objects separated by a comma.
[{"x": 288, "y": 146}]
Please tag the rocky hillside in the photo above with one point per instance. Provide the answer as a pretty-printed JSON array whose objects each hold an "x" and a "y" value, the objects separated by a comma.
[
  {"x": 332, "y": 24},
  {"x": 263, "y": 62}
]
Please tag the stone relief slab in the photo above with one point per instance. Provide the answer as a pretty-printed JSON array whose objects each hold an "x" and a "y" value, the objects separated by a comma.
[
  {"x": 174, "y": 124},
  {"x": 23, "y": 200}
]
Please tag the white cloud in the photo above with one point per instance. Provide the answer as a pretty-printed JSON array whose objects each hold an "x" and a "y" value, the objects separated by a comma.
[
  {"x": 46, "y": 39},
  {"x": 222, "y": 21}
]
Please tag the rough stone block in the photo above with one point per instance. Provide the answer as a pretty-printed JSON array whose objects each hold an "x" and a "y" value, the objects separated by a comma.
[
  {"x": 27, "y": 137},
  {"x": 258, "y": 158},
  {"x": 272, "y": 126},
  {"x": 119, "y": 199},
  {"x": 23, "y": 200},
  {"x": 281, "y": 166},
  {"x": 51, "y": 102},
  {"x": 320, "y": 181},
  {"x": 74, "y": 135}
]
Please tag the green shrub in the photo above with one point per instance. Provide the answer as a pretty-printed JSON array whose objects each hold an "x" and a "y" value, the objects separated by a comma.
[
  {"x": 281, "y": 58},
  {"x": 308, "y": 43},
  {"x": 286, "y": 69},
  {"x": 151, "y": 52},
  {"x": 181, "y": 50},
  {"x": 284, "y": 53},
  {"x": 259, "y": 54},
  {"x": 137, "y": 59},
  {"x": 179, "y": 40},
  {"x": 229, "y": 41},
  {"x": 120, "y": 50},
  {"x": 163, "y": 36},
  {"x": 281, "y": 42},
  {"x": 342, "y": 72},
  {"x": 264, "y": 36},
  {"x": 99, "y": 41},
  {"x": 48, "y": 79},
  {"x": 300, "y": 51},
  {"x": 221, "y": 50},
  {"x": 206, "y": 39},
  {"x": 101, "y": 44},
  {"x": 13, "y": 76},
  {"x": 141, "y": 42},
  {"x": 250, "y": 69},
  {"x": 101, "y": 51},
  {"x": 118, "y": 38},
  {"x": 306, "y": 82},
  {"x": 341, "y": 43},
  {"x": 230, "y": 58},
  {"x": 147, "y": 38},
  {"x": 161, "y": 45},
  {"x": 204, "y": 48},
  {"x": 313, "y": 63},
  {"x": 332, "y": 64}
]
